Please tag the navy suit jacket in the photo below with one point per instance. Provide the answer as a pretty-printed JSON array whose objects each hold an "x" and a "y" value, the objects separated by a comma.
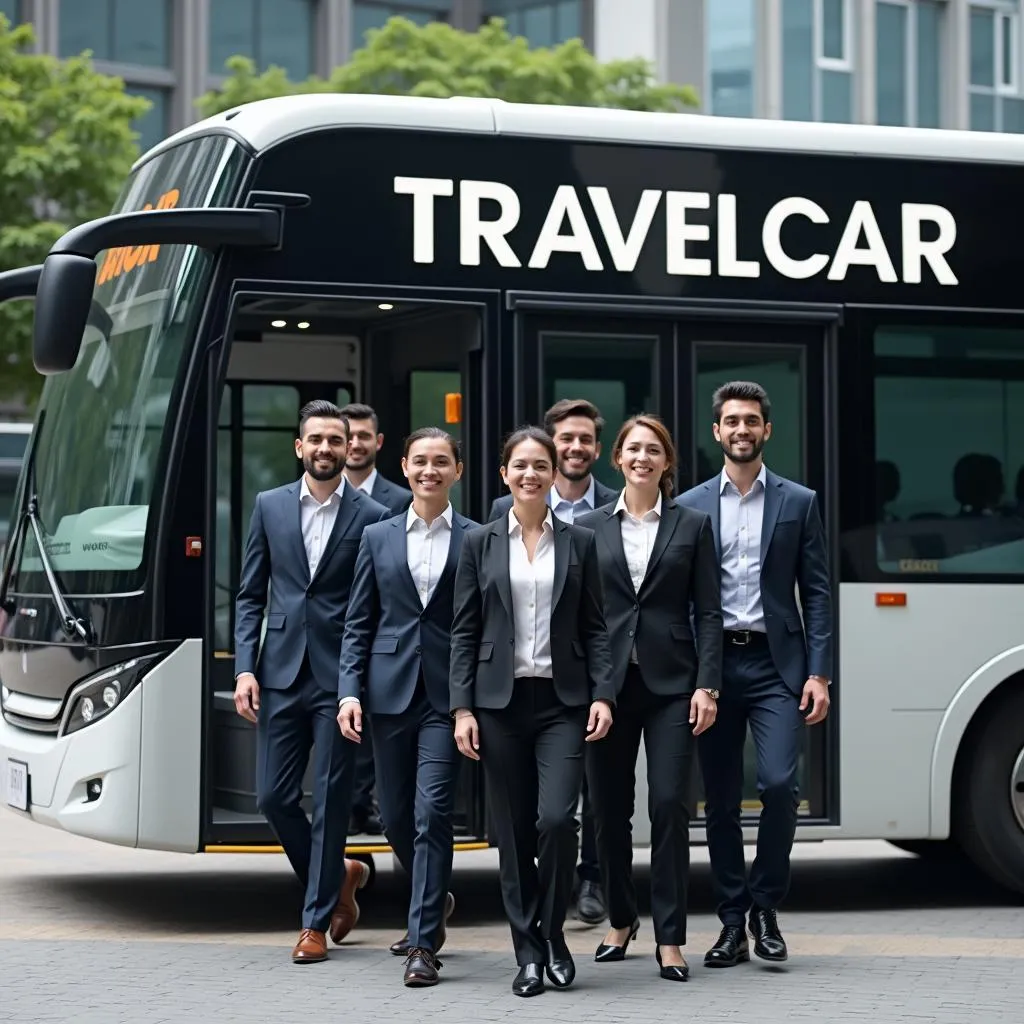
[
  {"x": 391, "y": 495},
  {"x": 304, "y": 613},
  {"x": 602, "y": 495},
  {"x": 389, "y": 636},
  {"x": 793, "y": 556}
]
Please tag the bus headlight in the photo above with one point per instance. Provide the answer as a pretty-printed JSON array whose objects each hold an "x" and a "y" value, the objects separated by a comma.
[{"x": 97, "y": 695}]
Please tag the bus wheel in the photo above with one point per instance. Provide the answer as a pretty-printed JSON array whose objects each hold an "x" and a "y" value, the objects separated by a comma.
[
  {"x": 367, "y": 859},
  {"x": 989, "y": 795},
  {"x": 937, "y": 851}
]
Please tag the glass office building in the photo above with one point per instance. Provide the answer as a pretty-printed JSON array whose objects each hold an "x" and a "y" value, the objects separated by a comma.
[{"x": 933, "y": 63}]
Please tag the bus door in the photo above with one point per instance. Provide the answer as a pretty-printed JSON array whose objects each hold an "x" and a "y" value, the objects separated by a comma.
[
  {"x": 415, "y": 363},
  {"x": 671, "y": 366}
]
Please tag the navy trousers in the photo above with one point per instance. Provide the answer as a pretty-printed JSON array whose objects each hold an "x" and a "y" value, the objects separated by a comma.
[
  {"x": 290, "y": 723},
  {"x": 417, "y": 772},
  {"x": 752, "y": 692}
]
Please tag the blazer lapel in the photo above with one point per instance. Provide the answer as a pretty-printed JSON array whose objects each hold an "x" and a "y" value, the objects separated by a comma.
[
  {"x": 295, "y": 517},
  {"x": 452, "y": 561},
  {"x": 774, "y": 496},
  {"x": 563, "y": 542},
  {"x": 610, "y": 534},
  {"x": 399, "y": 541},
  {"x": 350, "y": 498},
  {"x": 666, "y": 527},
  {"x": 712, "y": 506},
  {"x": 499, "y": 553}
]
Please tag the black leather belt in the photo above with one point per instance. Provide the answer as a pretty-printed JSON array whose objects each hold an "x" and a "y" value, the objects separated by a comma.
[{"x": 744, "y": 637}]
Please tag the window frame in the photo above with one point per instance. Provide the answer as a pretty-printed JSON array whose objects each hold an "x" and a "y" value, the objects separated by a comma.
[
  {"x": 216, "y": 77},
  {"x": 1006, "y": 22},
  {"x": 823, "y": 62}
]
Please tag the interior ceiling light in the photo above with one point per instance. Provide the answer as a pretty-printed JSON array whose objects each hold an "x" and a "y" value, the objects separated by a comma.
[
  {"x": 278, "y": 323},
  {"x": 385, "y": 305}
]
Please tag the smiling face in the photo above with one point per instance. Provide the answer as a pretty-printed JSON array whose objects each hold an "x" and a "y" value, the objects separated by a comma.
[
  {"x": 741, "y": 430},
  {"x": 643, "y": 459},
  {"x": 529, "y": 472},
  {"x": 431, "y": 468},
  {"x": 322, "y": 447},
  {"x": 577, "y": 445}
]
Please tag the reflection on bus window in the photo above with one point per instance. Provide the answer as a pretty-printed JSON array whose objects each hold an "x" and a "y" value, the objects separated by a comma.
[{"x": 949, "y": 450}]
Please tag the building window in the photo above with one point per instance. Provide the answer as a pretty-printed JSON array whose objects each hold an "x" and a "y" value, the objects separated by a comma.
[
  {"x": 270, "y": 32},
  {"x": 908, "y": 57},
  {"x": 731, "y": 45},
  {"x": 996, "y": 103},
  {"x": 542, "y": 24},
  {"x": 961, "y": 509},
  {"x": 817, "y": 53},
  {"x": 368, "y": 14},
  {"x": 125, "y": 31},
  {"x": 154, "y": 125},
  {"x": 11, "y": 8}
]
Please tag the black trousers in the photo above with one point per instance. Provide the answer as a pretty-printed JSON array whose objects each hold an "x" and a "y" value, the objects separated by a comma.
[
  {"x": 589, "y": 867},
  {"x": 290, "y": 723},
  {"x": 754, "y": 692},
  {"x": 417, "y": 773},
  {"x": 532, "y": 753},
  {"x": 663, "y": 722}
]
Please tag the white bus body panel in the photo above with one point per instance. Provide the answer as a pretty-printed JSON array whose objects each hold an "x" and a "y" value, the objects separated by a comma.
[{"x": 146, "y": 752}]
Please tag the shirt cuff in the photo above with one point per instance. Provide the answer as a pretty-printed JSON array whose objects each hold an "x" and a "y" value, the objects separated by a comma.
[{"x": 348, "y": 700}]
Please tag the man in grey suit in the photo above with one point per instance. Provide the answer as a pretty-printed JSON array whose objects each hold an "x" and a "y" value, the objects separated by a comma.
[
  {"x": 575, "y": 425},
  {"x": 776, "y": 667},
  {"x": 302, "y": 546},
  {"x": 364, "y": 442}
]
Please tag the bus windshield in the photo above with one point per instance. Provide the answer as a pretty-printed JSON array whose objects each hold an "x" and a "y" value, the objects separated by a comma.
[{"x": 101, "y": 424}]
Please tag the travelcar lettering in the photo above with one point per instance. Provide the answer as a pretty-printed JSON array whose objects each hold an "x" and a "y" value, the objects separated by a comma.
[
  {"x": 127, "y": 258},
  {"x": 927, "y": 232}
]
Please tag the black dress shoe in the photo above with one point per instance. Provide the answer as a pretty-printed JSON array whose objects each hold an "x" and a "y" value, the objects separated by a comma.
[
  {"x": 590, "y": 907},
  {"x": 561, "y": 969},
  {"x": 529, "y": 981},
  {"x": 673, "y": 972},
  {"x": 608, "y": 954},
  {"x": 421, "y": 968},
  {"x": 768, "y": 941},
  {"x": 730, "y": 949},
  {"x": 401, "y": 947}
]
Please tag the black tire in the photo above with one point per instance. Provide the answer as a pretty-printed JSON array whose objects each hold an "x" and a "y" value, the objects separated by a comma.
[
  {"x": 985, "y": 823},
  {"x": 937, "y": 851}
]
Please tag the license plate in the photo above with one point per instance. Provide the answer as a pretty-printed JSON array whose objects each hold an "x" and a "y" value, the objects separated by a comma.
[{"x": 17, "y": 785}]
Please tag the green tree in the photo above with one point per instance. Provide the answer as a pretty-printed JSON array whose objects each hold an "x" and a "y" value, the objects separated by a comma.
[
  {"x": 439, "y": 61},
  {"x": 66, "y": 146}
]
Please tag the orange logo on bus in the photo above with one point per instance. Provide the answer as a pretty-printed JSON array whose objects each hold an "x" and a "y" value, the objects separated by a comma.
[{"x": 121, "y": 261}]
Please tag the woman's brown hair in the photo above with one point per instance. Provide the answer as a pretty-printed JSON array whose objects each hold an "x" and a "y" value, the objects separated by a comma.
[{"x": 654, "y": 424}]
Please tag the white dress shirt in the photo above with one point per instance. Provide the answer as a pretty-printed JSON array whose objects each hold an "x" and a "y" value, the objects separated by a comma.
[
  {"x": 740, "y": 521},
  {"x": 533, "y": 585},
  {"x": 638, "y": 537},
  {"x": 317, "y": 521},
  {"x": 426, "y": 549},
  {"x": 567, "y": 510},
  {"x": 367, "y": 485}
]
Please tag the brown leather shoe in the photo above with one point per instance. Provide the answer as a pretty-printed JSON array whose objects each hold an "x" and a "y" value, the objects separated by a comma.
[
  {"x": 401, "y": 947},
  {"x": 421, "y": 968},
  {"x": 346, "y": 911},
  {"x": 311, "y": 947}
]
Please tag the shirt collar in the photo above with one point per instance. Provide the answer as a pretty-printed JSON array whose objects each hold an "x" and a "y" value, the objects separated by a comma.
[
  {"x": 555, "y": 499},
  {"x": 367, "y": 485},
  {"x": 515, "y": 527},
  {"x": 305, "y": 492},
  {"x": 411, "y": 518},
  {"x": 724, "y": 480},
  {"x": 620, "y": 506}
]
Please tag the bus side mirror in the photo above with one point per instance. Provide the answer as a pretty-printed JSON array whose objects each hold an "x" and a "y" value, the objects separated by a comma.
[
  {"x": 64, "y": 300},
  {"x": 20, "y": 283},
  {"x": 58, "y": 326}
]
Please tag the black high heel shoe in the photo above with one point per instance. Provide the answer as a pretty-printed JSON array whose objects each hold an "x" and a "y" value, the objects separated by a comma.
[
  {"x": 607, "y": 954},
  {"x": 673, "y": 972}
]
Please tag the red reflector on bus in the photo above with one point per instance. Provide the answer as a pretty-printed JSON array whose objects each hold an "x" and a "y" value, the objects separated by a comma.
[
  {"x": 193, "y": 547},
  {"x": 891, "y": 600}
]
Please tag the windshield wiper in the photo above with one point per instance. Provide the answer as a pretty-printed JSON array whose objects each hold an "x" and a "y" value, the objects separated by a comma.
[{"x": 73, "y": 625}]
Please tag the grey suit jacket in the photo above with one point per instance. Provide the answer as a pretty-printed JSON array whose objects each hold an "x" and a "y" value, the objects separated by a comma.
[
  {"x": 793, "y": 556},
  {"x": 305, "y": 613}
]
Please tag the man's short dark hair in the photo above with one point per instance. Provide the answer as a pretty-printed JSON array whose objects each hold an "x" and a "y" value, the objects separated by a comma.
[
  {"x": 573, "y": 407},
  {"x": 742, "y": 391},
  {"x": 358, "y": 411},
  {"x": 322, "y": 409}
]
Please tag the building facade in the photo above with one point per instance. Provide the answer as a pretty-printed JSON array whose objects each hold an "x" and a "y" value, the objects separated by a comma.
[{"x": 930, "y": 63}]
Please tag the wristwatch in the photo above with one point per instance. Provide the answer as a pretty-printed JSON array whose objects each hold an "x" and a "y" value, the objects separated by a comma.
[{"x": 713, "y": 694}]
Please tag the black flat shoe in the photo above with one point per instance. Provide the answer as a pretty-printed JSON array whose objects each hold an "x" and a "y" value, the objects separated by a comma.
[
  {"x": 608, "y": 954},
  {"x": 673, "y": 972},
  {"x": 561, "y": 969},
  {"x": 529, "y": 981}
]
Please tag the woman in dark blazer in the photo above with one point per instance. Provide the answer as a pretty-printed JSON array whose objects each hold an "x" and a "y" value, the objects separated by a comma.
[
  {"x": 656, "y": 560},
  {"x": 394, "y": 665},
  {"x": 530, "y": 683}
]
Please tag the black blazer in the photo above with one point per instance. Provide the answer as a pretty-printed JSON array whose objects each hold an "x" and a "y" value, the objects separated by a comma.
[
  {"x": 683, "y": 568},
  {"x": 500, "y": 506},
  {"x": 391, "y": 495},
  {"x": 483, "y": 633}
]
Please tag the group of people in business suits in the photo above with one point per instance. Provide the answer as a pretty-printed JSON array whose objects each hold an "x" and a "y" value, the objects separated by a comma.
[{"x": 544, "y": 644}]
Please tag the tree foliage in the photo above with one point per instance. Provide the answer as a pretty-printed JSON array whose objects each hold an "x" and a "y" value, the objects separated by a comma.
[
  {"x": 436, "y": 60},
  {"x": 66, "y": 146}
]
